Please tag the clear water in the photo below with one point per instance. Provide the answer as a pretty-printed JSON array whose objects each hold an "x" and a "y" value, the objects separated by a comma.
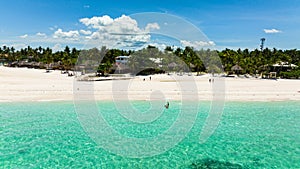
[{"x": 250, "y": 135}]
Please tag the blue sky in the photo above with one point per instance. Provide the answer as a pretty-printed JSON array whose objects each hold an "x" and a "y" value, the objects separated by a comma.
[{"x": 227, "y": 24}]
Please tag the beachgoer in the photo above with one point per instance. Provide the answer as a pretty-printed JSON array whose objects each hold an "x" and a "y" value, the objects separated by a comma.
[{"x": 167, "y": 105}]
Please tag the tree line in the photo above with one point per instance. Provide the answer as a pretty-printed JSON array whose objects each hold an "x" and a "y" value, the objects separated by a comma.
[{"x": 179, "y": 59}]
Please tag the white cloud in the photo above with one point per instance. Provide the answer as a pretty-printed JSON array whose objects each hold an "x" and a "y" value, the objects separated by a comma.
[
  {"x": 53, "y": 28},
  {"x": 23, "y": 36},
  {"x": 84, "y": 32},
  {"x": 119, "y": 32},
  {"x": 39, "y": 34},
  {"x": 86, "y": 6},
  {"x": 121, "y": 25},
  {"x": 70, "y": 35},
  {"x": 197, "y": 44},
  {"x": 152, "y": 26},
  {"x": 97, "y": 22},
  {"x": 272, "y": 31},
  {"x": 124, "y": 24},
  {"x": 18, "y": 46},
  {"x": 57, "y": 47}
]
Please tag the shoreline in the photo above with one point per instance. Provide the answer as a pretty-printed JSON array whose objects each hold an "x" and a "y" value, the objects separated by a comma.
[
  {"x": 102, "y": 101},
  {"x": 35, "y": 85}
]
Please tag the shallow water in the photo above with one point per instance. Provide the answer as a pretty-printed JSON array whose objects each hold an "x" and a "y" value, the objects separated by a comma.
[{"x": 249, "y": 135}]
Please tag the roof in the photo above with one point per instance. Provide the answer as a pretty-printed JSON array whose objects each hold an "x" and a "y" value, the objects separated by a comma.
[
  {"x": 236, "y": 67},
  {"x": 284, "y": 64},
  {"x": 122, "y": 57}
]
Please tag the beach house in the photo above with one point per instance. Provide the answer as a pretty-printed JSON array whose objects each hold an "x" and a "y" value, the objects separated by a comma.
[{"x": 121, "y": 65}]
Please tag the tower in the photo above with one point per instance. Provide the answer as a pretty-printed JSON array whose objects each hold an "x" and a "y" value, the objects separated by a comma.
[{"x": 262, "y": 43}]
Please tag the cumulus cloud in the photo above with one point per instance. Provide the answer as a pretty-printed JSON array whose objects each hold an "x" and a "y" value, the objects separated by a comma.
[
  {"x": 84, "y": 32},
  {"x": 124, "y": 24},
  {"x": 18, "y": 46},
  {"x": 272, "y": 31},
  {"x": 119, "y": 32},
  {"x": 71, "y": 35},
  {"x": 152, "y": 26},
  {"x": 197, "y": 44},
  {"x": 97, "y": 22},
  {"x": 39, "y": 34},
  {"x": 24, "y": 36},
  {"x": 57, "y": 47}
]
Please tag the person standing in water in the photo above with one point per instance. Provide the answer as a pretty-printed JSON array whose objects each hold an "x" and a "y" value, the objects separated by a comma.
[{"x": 167, "y": 105}]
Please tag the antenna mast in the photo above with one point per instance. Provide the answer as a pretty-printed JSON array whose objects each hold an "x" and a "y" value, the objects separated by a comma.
[{"x": 262, "y": 43}]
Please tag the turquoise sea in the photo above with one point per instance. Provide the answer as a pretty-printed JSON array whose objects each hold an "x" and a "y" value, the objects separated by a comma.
[{"x": 249, "y": 135}]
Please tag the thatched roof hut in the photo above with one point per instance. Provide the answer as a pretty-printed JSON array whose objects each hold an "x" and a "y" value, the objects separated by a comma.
[
  {"x": 237, "y": 69},
  {"x": 172, "y": 65}
]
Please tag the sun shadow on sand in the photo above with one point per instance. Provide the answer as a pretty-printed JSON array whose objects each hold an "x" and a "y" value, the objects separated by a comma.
[{"x": 214, "y": 164}]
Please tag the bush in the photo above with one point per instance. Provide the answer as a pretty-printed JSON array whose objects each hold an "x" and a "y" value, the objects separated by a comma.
[
  {"x": 150, "y": 71},
  {"x": 294, "y": 74}
]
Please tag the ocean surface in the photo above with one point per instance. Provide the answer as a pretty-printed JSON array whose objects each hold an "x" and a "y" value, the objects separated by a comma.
[{"x": 249, "y": 135}]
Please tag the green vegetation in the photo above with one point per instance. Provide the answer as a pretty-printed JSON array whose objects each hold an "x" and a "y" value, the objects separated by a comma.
[
  {"x": 151, "y": 58},
  {"x": 294, "y": 74},
  {"x": 257, "y": 61}
]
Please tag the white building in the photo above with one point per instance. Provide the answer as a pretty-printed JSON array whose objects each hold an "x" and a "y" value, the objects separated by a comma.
[{"x": 122, "y": 60}]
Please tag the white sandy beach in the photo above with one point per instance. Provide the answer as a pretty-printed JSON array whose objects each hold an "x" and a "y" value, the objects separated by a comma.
[{"x": 23, "y": 84}]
